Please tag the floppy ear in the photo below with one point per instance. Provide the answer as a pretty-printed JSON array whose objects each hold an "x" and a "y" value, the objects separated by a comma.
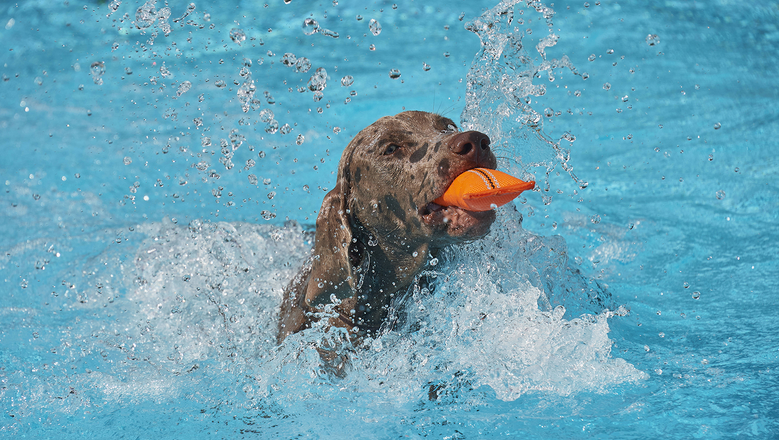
[{"x": 332, "y": 270}]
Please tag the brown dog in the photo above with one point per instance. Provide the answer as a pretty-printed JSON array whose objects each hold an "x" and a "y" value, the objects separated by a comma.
[{"x": 378, "y": 226}]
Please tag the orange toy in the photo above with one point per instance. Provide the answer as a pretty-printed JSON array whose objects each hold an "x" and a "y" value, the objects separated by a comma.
[{"x": 482, "y": 189}]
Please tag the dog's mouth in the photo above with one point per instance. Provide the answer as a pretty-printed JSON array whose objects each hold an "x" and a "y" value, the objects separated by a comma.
[{"x": 458, "y": 222}]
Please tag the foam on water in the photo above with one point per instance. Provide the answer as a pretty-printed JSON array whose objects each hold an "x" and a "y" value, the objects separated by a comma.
[{"x": 190, "y": 315}]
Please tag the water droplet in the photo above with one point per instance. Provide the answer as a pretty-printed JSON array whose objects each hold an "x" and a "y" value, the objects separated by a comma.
[
  {"x": 425, "y": 67},
  {"x": 394, "y": 73},
  {"x": 164, "y": 72},
  {"x": 145, "y": 15},
  {"x": 252, "y": 179},
  {"x": 318, "y": 80},
  {"x": 347, "y": 81},
  {"x": 720, "y": 194},
  {"x": 548, "y": 112},
  {"x": 577, "y": 93},
  {"x": 97, "y": 69},
  {"x": 266, "y": 115},
  {"x": 372, "y": 47},
  {"x": 114, "y": 6},
  {"x": 375, "y": 27},
  {"x": 267, "y": 215},
  {"x": 183, "y": 88},
  {"x": 595, "y": 219},
  {"x": 696, "y": 295},
  {"x": 237, "y": 35},
  {"x": 686, "y": 285},
  {"x": 310, "y": 26},
  {"x": 289, "y": 59},
  {"x": 127, "y": 160},
  {"x": 300, "y": 139},
  {"x": 272, "y": 127},
  {"x": 652, "y": 39},
  {"x": 303, "y": 65},
  {"x": 591, "y": 57},
  {"x": 610, "y": 51},
  {"x": 221, "y": 84},
  {"x": 717, "y": 125},
  {"x": 606, "y": 86},
  {"x": 358, "y": 17},
  {"x": 625, "y": 98},
  {"x": 328, "y": 33}
]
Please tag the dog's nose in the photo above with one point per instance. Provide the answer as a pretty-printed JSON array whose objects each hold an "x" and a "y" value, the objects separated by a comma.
[{"x": 470, "y": 143}]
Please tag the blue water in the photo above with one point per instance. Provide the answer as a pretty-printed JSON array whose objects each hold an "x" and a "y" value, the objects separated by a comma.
[{"x": 149, "y": 225}]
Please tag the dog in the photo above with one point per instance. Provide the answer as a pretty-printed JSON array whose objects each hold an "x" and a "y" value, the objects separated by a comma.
[{"x": 378, "y": 227}]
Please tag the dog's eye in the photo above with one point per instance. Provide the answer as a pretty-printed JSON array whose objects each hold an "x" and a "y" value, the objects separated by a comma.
[{"x": 391, "y": 148}]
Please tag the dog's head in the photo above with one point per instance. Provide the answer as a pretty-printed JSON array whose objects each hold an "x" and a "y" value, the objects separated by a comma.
[{"x": 382, "y": 203}]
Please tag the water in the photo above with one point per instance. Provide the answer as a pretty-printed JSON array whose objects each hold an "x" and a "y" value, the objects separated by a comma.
[{"x": 162, "y": 165}]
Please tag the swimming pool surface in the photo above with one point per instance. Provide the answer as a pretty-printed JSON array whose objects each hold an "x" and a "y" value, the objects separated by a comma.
[{"x": 162, "y": 164}]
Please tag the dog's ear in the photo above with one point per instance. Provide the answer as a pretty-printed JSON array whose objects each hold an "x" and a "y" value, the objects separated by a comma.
[{"x": 332, "y": 269}]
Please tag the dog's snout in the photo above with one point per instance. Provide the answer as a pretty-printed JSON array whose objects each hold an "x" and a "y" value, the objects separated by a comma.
[{"x": 470, "y": 143}]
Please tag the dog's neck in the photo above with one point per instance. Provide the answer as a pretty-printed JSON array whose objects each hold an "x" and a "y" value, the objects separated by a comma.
[{"x": 383, "y": 269}]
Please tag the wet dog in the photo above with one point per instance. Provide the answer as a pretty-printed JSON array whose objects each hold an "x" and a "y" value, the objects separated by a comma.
[{"x": 378, "y": 227}]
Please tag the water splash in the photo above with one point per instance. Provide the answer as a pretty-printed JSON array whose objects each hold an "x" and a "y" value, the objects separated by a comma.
[
  {"x": 502, "y": 82},
  {"x": 468, "y": 323}
]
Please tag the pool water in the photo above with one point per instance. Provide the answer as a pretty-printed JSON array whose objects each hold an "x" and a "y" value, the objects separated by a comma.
[{"x": 162, "y": 165}]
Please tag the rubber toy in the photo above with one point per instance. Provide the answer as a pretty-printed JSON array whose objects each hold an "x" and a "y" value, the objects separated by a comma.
[{"x": 482, "y": 189}]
